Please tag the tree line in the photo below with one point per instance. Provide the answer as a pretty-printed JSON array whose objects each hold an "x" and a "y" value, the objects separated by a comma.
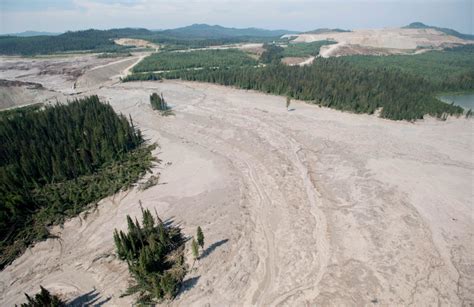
[{"x": 336, "y": 83}]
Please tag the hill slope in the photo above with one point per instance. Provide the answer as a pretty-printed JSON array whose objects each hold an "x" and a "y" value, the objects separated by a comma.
[
  {"x": 420, "y": 25},
  {"x": 33, "y": 33},
  {"x": 98, "y": 40},
  {"x": 213, "y": 32}
]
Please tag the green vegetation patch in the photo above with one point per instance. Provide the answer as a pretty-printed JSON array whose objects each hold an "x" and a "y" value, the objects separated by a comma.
[
  {"x": 154, "y": 252},
  {"x": 148, "y": 76},
  {"x": 194, "y": 59},
  {"x": 56, "y": 161},
  {"x": 449, "y": 70},
  {"x": 272, "y": 54},
  {"x": 305, "y": 49},
  {"x": 338, "y": 84}
]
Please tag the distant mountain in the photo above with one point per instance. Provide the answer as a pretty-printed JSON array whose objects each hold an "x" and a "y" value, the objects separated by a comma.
[
  {"x": 420, "y": 25},
  {"x": 217, "y": 32},
  {"x": 326, "y": 30},
  {"x": 33, "y": 33}
]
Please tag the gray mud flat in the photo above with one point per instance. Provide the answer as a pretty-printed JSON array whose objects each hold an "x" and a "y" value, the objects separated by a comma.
[{"x": 309, "y": 207}]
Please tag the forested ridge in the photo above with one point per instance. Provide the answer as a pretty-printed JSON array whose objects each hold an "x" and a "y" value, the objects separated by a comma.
[
  {"x": 54, "y": 162},
  {"x": 103, "y": 40},
  {"x": 96, "y": 40}
]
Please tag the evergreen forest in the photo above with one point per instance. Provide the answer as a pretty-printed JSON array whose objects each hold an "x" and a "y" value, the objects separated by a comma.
[
  {"x": 337, "y": 84},
  {"x": 56, "y": 160},
  {"x": 194, "y": 36}
]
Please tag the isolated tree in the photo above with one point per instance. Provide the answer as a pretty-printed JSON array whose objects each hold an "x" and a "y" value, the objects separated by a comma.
[
  {"x": 288, "y": 101},
  {"x": 158, "y": 102},
  {"x": 195, "y": 249},
  {"x": 200, "y": 237}
]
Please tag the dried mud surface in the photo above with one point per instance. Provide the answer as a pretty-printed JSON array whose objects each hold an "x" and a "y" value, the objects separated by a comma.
[{"x": 304, "y": 207}]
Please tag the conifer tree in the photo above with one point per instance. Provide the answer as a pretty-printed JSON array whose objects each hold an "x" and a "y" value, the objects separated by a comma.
[{"x": 200, "y": 237}]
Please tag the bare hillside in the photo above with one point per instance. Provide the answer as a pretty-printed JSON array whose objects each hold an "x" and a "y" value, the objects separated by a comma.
[{"x": 390, "y": 40}]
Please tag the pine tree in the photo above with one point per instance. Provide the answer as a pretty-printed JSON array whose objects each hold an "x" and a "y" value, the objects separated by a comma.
[{"x": 200, "y": 237}]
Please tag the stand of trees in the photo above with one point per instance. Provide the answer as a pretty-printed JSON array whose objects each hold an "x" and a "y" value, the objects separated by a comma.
[
  {"x": 141, "y": 77},
  {"x": 337, "y": 84},
  {"x": 448, "y": 70},
  {"x": 272, "y": 54},
  {"x": 154, "y": 252},
  {"x": 56, "y": 161}
]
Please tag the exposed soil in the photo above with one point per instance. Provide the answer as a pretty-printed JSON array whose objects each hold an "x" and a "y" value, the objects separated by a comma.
[
  {"x": 305, "y": 207},
  {"x": 381, "y": 41},
  {"x": 293, "y": 60},
  {"x": 136, "y": 43}
]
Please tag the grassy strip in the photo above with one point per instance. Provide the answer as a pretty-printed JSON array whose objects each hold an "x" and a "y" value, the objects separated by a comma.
[{"x": 194, "y": 59}]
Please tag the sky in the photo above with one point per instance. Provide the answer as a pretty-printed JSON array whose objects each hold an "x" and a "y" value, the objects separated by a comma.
[{"x": 298, "y": 15}]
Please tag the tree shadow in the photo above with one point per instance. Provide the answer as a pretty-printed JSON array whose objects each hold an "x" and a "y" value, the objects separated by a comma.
[
  {"x": 91, "y": 298},
  {"x": 188, "y": 284},
  {"x": 169, "y": 221},
  {"x": 212, "y": 247}
]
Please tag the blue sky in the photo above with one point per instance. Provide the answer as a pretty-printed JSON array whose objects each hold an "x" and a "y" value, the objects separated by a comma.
[{"x": 62, "y": 15}]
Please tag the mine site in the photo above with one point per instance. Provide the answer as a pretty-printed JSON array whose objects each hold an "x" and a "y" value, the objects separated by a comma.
[{"x": 214, "y": 166}]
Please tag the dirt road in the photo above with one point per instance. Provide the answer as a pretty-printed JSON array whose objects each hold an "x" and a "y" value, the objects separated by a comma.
[{"x": 304, "y": 207}]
